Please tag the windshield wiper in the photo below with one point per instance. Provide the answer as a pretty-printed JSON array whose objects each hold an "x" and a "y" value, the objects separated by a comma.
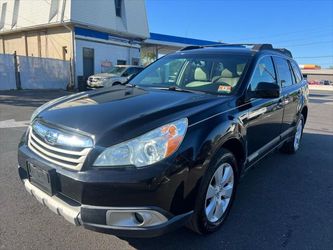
[
  {"x": 175, "y": 88},
  {"x": 128, "y": 84}
]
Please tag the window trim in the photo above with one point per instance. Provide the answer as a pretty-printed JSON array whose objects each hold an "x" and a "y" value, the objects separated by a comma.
[{"x": 255, "y": 67}]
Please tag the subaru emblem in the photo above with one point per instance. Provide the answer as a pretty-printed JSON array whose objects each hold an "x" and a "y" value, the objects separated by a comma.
[{"x": 51, "y": 137}]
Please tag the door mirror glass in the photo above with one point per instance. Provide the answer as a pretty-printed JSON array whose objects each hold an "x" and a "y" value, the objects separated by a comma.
[{"x": 267, "y": 90}]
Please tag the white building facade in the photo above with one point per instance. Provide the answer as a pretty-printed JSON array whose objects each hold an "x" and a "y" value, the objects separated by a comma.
[{"x": 92, "y": 34}]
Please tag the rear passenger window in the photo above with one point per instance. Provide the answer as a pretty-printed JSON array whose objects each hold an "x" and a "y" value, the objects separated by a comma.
[
  {"x": 283, "y": 71},
  {"x": 297, "y": 72},
  {"x": 264, "y": 72}
]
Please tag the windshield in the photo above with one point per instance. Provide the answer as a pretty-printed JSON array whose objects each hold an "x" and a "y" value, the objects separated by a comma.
[
  {"x": 116, "y": 70},
  {"x": 215, "y": 74}
]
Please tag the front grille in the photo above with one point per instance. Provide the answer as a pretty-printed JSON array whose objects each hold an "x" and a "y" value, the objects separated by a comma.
[
  {"x": 68, "y": 158},
  {"x": 94, "y": 79}
]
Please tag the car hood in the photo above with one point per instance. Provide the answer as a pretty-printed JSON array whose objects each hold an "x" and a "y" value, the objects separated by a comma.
[
  {"x": 118, "y": 113},
  {"x": 105, "y": 75}
]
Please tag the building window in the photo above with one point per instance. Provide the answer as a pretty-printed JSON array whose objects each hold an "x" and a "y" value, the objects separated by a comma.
[
  {"x": 53, "y": 9},
  {"x": 64, "y": 52},
  {"x": 121, "y": 62},
  {"x": 118, "y": 4},
  {"x": 15, "y": 13},
  {"x": 135, "y": 61},
  {"x": 3, "y": 15}
]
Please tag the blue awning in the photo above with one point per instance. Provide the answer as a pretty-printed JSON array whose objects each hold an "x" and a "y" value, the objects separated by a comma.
[{"x": 179, "y": 40}]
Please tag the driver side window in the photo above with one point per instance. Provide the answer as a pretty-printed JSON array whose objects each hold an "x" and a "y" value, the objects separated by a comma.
[
  {"x": 129, "y": 72},
  {"x": 264, "y": 72},
  {"x": 126, "y": 73}
]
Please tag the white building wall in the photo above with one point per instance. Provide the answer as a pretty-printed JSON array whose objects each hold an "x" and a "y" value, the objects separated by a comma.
[
  {"x": 18, "y": 14},
  {"x": 137, "y": 22},
  {"x": 98, "y": 14},
  {"x": 102, "y": 13},
  {"x": 103, "y": 52}
]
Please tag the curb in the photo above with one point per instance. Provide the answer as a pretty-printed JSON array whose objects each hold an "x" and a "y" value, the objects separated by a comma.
[{"x": 321, "y": 87}]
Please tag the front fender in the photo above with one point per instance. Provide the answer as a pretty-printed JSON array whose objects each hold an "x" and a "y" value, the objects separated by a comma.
[{"x": 208, "y": 138}]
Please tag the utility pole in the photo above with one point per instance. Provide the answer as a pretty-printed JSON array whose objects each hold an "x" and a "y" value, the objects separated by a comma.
[{"x": 17, "y": 74}]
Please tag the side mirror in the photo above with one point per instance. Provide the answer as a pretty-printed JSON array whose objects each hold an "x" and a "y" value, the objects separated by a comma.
[{"x": 267, "y": 90}]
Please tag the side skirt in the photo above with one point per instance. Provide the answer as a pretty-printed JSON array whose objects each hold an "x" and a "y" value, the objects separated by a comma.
[{"x": 250, "y": 165}]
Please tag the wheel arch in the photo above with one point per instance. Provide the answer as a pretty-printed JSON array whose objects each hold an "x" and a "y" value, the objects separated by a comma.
[
  {"x": 236, "y": 147},
  {"x": 228, "y": 134}
]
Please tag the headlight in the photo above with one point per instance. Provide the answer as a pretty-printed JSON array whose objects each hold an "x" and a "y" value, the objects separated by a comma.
[{"x": 146, "y": 149}]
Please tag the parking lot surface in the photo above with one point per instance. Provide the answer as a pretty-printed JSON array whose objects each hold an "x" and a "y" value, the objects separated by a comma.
[{"x": 285, "y": 202}]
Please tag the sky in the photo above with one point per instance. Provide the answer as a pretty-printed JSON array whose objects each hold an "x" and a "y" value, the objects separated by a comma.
[{"x": 304, "y": 27}]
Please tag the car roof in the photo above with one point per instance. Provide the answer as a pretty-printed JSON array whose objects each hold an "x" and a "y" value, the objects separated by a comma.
[
  {"x": 238, "y": 49},
  {"x": 127, "y": 66}
]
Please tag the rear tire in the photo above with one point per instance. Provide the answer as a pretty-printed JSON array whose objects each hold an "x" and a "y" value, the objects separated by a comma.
[
  {"x": 292, "y": 146},
  {"x": 216, "y": 194}
]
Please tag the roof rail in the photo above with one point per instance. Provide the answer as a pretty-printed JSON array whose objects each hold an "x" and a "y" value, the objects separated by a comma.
[
  {"x": 284, "y": 51},
  {"x": 192, "y": 47},
  {"x": 253, "y": 46}
]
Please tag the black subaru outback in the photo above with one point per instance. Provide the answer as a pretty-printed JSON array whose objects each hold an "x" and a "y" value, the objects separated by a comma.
[{"x": 167, "y": 148}]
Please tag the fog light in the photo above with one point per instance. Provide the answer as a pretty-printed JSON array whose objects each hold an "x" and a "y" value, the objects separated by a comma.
[
  {"x": 139, "y": 218},
  {"x": 134, "y": 218}
]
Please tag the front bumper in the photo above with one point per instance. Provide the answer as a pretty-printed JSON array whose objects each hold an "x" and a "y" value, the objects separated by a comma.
[
  {"x": 70, "y": 212},
  {"x": 95, "y": 84},
  {"x": 87, "y": 197},
  {"x": 97, "y": 218}
]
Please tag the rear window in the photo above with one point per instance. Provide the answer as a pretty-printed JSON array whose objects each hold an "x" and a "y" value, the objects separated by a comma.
[
  {"x": 283, "y": 71},
  {"x": 297, "y": 72}
]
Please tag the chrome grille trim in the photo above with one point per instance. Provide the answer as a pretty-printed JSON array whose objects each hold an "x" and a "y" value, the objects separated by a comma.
[
  {"x": 60, "y": 150},
  {"x": 71, "y": 159}
]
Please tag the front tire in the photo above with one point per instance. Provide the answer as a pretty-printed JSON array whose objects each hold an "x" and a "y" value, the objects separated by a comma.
[
  {"x": 216, "y": 194},
  {"x": 292, "y": 146}
]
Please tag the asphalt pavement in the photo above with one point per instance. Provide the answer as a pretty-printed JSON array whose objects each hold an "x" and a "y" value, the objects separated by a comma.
[{"x": 285, "y": 202}]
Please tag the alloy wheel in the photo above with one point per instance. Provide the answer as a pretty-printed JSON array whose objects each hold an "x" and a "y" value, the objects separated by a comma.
[{"x": 219, "y": 192}]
